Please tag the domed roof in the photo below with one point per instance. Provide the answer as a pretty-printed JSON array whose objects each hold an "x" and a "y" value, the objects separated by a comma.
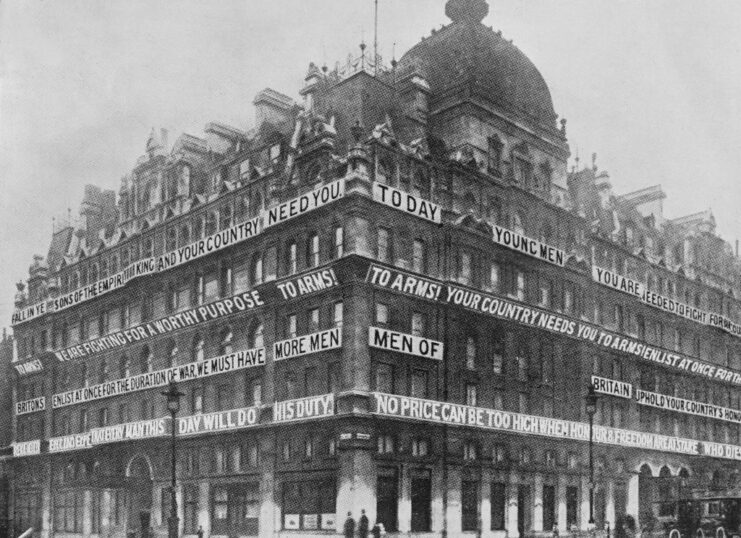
[{"x": 467, "y": 51}]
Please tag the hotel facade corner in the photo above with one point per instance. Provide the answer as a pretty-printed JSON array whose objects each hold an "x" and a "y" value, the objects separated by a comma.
[{"x": 395, "y": 305}]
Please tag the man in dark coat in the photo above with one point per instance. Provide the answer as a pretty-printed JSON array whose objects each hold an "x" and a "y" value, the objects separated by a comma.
[
  {"x": 363, "y": 525},
  {"x": 349, "y": 529}
]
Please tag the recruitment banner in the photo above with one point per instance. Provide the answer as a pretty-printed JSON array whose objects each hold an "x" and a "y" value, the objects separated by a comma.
[
  {"x": 613, "y": 387},
  {"x": 393, "y": 405},
  {"x": 531, "y": 247},
  {"x": 307, "y": 344},
  {"x": 27, "y": 448},
  {"x": 220, "y": 421},
  {"x": 31, "y": 367},
  {"x": 319, "y": 197},
  {"x": 667, "y": 304},
  {"x": 511, "y": 310},
  {"x": 403, "y": 201},
  {"x": 691, "y": 407},
  {"x": 215, "y": 242},
  {"x": 405, "y": 343},
  {"x": 231, "y": 362},
  {"x": 130, "y": 431},
  {"x": 30, "y": 406},
  {"x": 304, "y": 408}
]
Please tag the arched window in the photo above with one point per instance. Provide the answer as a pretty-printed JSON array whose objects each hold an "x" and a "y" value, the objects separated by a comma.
[
  {"x": 312, "y": 250},
  {"x": 211, "y": 223},
  {"x": 292, "y": 261},
  {"x": 75, "y": 281},
  {"x": 124, "y": 258},
  {"x": 198, "y": 227},
  {"x": 518, "y": 223},
  {"x": 384, "y": 172},
  {"x": 198, "y": 348},
  {"x": 103, "y": 268},
  {"x": 256, "y": 339},
  {"x": 226, "y": 337},
  {"x": 83, "y": 375},
  {"x": 94, "y": 273},
  {"x": 184, "y": 235},
  {"x": 69, "y": 471},
  {"x": 226, "y": 217},
  {"x": 243, "y": 208},
  {"x": 255, "y": 204},
  {"x": 470, "y": 353},
  {"x": 147, "y": 360},
  {"x": 421, "y": 185},
  {"x": 469, "y": 203},
  {"x": 125, "y": 367},
  {"x": 172, "y": 353},
  {"x": 103, "y": 371},
  {"x": 313, "y": 173},
  {"x": 172, "y": 240},
  {"x": 148, "y": 248},
  {"x": 256, "y": 269}
]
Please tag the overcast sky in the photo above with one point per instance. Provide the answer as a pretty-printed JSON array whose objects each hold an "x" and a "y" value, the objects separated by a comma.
[{"x": 653, "y": 87}]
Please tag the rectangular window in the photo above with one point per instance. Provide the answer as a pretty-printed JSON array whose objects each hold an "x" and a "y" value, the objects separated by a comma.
[
  {"x": 338, "y": 314},
  {"x": 498, "y": 504},
  {"x": 309, "y": 505},
  {"x": 549, "y": 507},
  {"x": 224, "y": 399},
  {"x": 418, "y": 324},
  {"x": 421, "y": 494},
  {"x": 419, "y": 261},
  {"x": 68, "y": 508},
  {"x": 545, "y": 291},
  {"x": 190, "y": 509},
  {"x": 419, "y": 384},
  {"x": 471, "y": 394},
  {"x": 196, "y": 400},
  {"x": 313, "y": 253},
  {"x": 464, "y": 268},
  {"x": 495, "y": 277},
  {"x": 519, "y": 285},
  {"x": 572, "y": 498},
  {"x": 241, "y": 277},
  {"x": 384, "y": 245},
  {"x": 256, "y": 387},
  {"x": 469, "y": 505},
  {"x": 291, "y": 328},
  {"x": 339, "y": 242},
  {"x": 385, "y": 378},
  {"x": 382, "y": 314},
  {"x": 313, "y": 320}
]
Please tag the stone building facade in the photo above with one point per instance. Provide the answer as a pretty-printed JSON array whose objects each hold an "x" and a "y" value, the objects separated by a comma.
[{"x": 391, "y": 296}]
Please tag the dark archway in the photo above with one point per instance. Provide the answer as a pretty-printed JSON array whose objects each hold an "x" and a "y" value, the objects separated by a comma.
[{"x": 139, "y": 486}]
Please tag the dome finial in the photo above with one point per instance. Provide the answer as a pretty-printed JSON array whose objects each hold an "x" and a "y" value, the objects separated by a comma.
[{"x": 466, "y": 10}]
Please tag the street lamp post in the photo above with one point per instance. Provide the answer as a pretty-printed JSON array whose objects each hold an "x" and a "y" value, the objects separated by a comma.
[
  {"x": 591, "y": 405},
  {"x": 173, "y": 405}
]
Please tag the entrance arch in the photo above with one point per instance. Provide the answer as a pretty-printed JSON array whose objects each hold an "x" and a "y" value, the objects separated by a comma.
[
  {"x": 139, "y": 476},
  {"x": 646, "y": 496}
]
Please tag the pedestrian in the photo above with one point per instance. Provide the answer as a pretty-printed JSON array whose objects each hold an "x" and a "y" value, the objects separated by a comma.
[
  {"x": 376, "y": 531},
  {"x": 555, "y": 530},
  {"x": 363, "y": 525},
  {"x": 349, "y": 526}
]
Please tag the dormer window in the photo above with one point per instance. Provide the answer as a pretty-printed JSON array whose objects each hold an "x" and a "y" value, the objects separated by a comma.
[
  {"x": 274, "y": 152},
  {"x": 494, "y": 155},
  {"x": 523, "y": 171},
  {"x": 244, "y": 170}
]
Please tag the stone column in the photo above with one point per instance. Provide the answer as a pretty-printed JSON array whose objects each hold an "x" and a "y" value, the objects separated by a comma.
[
  {"x": 453, "y": 510},
  {"x": 633, "y": 502},
  {"x": 204, "y": 507},
  {"x": 610, "y": 503},
  {"x": 485, "y": 502},
  {"x": 561, "y": 504},
  {"x": 584, "y": 505},
  {"x": 87, "y": 510},
  {"x": 513, "y": 490},
  {"x": 538, "y": 503},
  {"x": 357, "y": 486},
  {"x": 405, "y": 500},
  {"x": 106, "y": 516},
  {"x": 439, "y": 490}
]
